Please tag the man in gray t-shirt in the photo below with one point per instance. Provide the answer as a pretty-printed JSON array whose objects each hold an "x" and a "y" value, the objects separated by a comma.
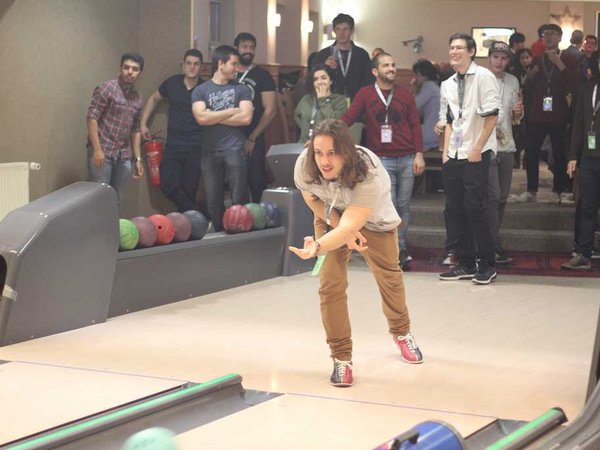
[
  {"x": 347, "y": 189},
  {"x": 223, "y": 107}
]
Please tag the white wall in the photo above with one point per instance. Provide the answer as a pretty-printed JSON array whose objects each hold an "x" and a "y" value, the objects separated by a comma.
[{"x": 386, "y": 23}]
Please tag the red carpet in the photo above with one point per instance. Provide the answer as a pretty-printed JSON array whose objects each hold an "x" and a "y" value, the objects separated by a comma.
[{"x": 545, "y": 264}]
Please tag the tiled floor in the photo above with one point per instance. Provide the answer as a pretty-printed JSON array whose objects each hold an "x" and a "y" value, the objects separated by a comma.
[{"x": 512, "y": 350}]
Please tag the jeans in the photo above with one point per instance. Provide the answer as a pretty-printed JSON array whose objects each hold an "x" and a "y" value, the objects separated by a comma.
[
  {"x": 589, "y": 188},
  {"x": 500, "y": 178},
  {"x": 256, "y": 170},
  {"x": 218, "y": 167},
  {"x": 402, "y": 177},
  {"x": 382, "y": 258},
  {"x": 179, "y": 177},
  {"x": 536, "y": 133},
  {"x": 116, "y": 172},
  {"x": 465, "y": 184}
]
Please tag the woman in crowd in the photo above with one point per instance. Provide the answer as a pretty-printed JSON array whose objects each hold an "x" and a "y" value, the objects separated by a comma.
[
  {"x": 319, "y": 104},
  {"x": 520, "y": 70}
]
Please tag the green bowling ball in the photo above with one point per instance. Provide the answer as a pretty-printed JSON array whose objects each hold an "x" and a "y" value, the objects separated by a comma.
[
  {"x": 128, "y": 234},
  {"x": 156, "y": 438},
  {"x": 259, "y": 216}
]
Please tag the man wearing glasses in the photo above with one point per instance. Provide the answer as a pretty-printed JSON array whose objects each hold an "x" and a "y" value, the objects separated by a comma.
[
  {"x": 473, "y": 102},
  {"x": 549, "y": 86}
]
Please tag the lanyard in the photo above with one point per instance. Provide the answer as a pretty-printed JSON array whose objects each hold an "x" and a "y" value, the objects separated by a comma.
[
  {"x": 338, "y": 54},
  {"x": 547, "y": 74},
  {"x": 387, "y": 102},
  {"x": 330, "y": 208},
  {"x": 461, "y": 95},
  {"x": 313, "y": 115},
  {"x": 595, "y": 107},
  {"x": 241, "y": 79}
]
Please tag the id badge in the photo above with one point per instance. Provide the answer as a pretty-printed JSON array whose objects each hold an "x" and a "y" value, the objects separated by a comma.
[
  {"x": 547, "y": 104},
  {"x": 386, "y": 134},
  {"x": 317, "y": 268},
  {"x": 591, "y": 140},
  {"x": 456, "y": 139}
]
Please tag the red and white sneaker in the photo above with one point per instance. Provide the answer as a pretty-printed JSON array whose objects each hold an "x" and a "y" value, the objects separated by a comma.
[
  {"x": 342, "y": 373},
  {"x": 408, "y": 349}
]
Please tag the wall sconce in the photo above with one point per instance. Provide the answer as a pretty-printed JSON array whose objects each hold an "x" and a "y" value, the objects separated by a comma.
[
  {"x": 275, "y": 20},
  {"x": 417, "y": 44},
  {"x": 328, "y": 32}
]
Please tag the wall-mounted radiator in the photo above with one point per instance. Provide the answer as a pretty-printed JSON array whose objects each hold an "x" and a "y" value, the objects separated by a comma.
[{"x": 14, "y": 185}]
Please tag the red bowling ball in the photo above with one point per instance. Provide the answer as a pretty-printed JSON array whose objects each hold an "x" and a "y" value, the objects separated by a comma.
[
  {"x": 237, "y": 219},
  {"x": 164, "y": 229}
]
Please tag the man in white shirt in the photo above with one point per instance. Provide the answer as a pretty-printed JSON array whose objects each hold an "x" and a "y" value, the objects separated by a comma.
[
  {"x": 472, "y": 99},
  {"x": 501, "y": 166}
]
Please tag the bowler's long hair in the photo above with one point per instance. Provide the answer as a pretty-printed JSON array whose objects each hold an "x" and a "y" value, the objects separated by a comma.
[{"x": 355, "y": 167}]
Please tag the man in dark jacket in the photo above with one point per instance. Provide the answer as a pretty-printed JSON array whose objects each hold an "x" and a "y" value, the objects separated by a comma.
[{"x": 351, "y": 64}]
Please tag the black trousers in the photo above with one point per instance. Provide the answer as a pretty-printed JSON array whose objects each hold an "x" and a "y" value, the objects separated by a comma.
[
  {"x": 589, "y": 188},
  {"x": 465, "y": 184},
  {"x": 536, "y": 133},
  {"x": 256, "y": 170},
  {"x": 179, "y": 177}
]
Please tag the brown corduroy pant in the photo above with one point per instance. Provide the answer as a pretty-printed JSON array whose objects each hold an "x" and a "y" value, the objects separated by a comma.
[{"x": 382, "y": 258}]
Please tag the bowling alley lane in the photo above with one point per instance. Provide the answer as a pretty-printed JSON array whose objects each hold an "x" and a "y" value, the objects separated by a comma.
[
  {"x": 36, "y": 397},
  {"x": 294, "y": 422},
  {"x": 510, "y": 350}
]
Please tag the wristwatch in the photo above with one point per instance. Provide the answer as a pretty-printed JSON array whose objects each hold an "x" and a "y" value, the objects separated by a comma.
[
  {"x": 317, "y": 247},
  {"x": 137, "y": 158}
]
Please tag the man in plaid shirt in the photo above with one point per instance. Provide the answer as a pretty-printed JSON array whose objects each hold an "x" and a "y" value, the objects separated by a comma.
[{"x": 113, "y": 123}]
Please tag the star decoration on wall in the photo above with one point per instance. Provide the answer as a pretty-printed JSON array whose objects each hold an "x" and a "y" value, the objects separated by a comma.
[{"x": 566, "y": 18}]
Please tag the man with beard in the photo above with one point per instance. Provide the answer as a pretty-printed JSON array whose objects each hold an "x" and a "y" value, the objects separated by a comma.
[
  {"x": 223, "y": 107},
  {"x": 113, "y": 124},
  {"x": 473, "y": 103},
  {"x": 394, "y": 134},
  {"x": 180, "y": 164},
  {"x": 262, "y": 88}
]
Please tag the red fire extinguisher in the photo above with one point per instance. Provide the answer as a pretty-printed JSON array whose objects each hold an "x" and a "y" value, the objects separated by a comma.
[{"x": 154, "y": 151}]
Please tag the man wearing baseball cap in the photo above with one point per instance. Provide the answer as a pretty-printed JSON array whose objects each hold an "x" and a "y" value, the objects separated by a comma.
[
  {"x": 501, "y": 166},
  {"x": 550, "y": 85}
]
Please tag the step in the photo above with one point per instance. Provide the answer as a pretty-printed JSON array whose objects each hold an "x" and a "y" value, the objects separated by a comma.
[
  {"x": 512, "y": 239},
  {"x": 522, "y": 216}
]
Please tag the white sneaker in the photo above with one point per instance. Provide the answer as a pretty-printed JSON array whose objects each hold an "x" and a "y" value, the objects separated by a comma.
[
  {"x": 567, "y": 198},
  {"x": 526, "y": 197},
  {"x": 553, "y": 198}
]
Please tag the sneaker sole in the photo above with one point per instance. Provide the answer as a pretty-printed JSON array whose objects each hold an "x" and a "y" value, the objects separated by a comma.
[
  {"x": 576, "y": 268},
  {"x": 457, "y": 278},
  {"x": 411, "y": 362},
  {"x": 504, "y": 261},
  {"x": 341, "y": 384},
  {"x": 488, "y": 281}
]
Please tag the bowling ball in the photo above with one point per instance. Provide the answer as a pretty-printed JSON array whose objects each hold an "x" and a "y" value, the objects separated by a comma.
[
  {"x": 237, "y": 219},
  {"x": 164, "y": 228},
  {"x": 182, "y": 225},
  {"x": 156, "y": 438},
  {"x": 147, "y": 231},
  {"x": 128, "y": 234},
  {"x": 273, "y": 215},
  {"x": 199, "y": 223},
  {"x": 259, "y": 215}
]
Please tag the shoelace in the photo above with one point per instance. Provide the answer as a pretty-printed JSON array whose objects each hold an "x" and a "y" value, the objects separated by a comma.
[
  {"x": 341, "y": 367},
  {"x": 410, "y": 342}
]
